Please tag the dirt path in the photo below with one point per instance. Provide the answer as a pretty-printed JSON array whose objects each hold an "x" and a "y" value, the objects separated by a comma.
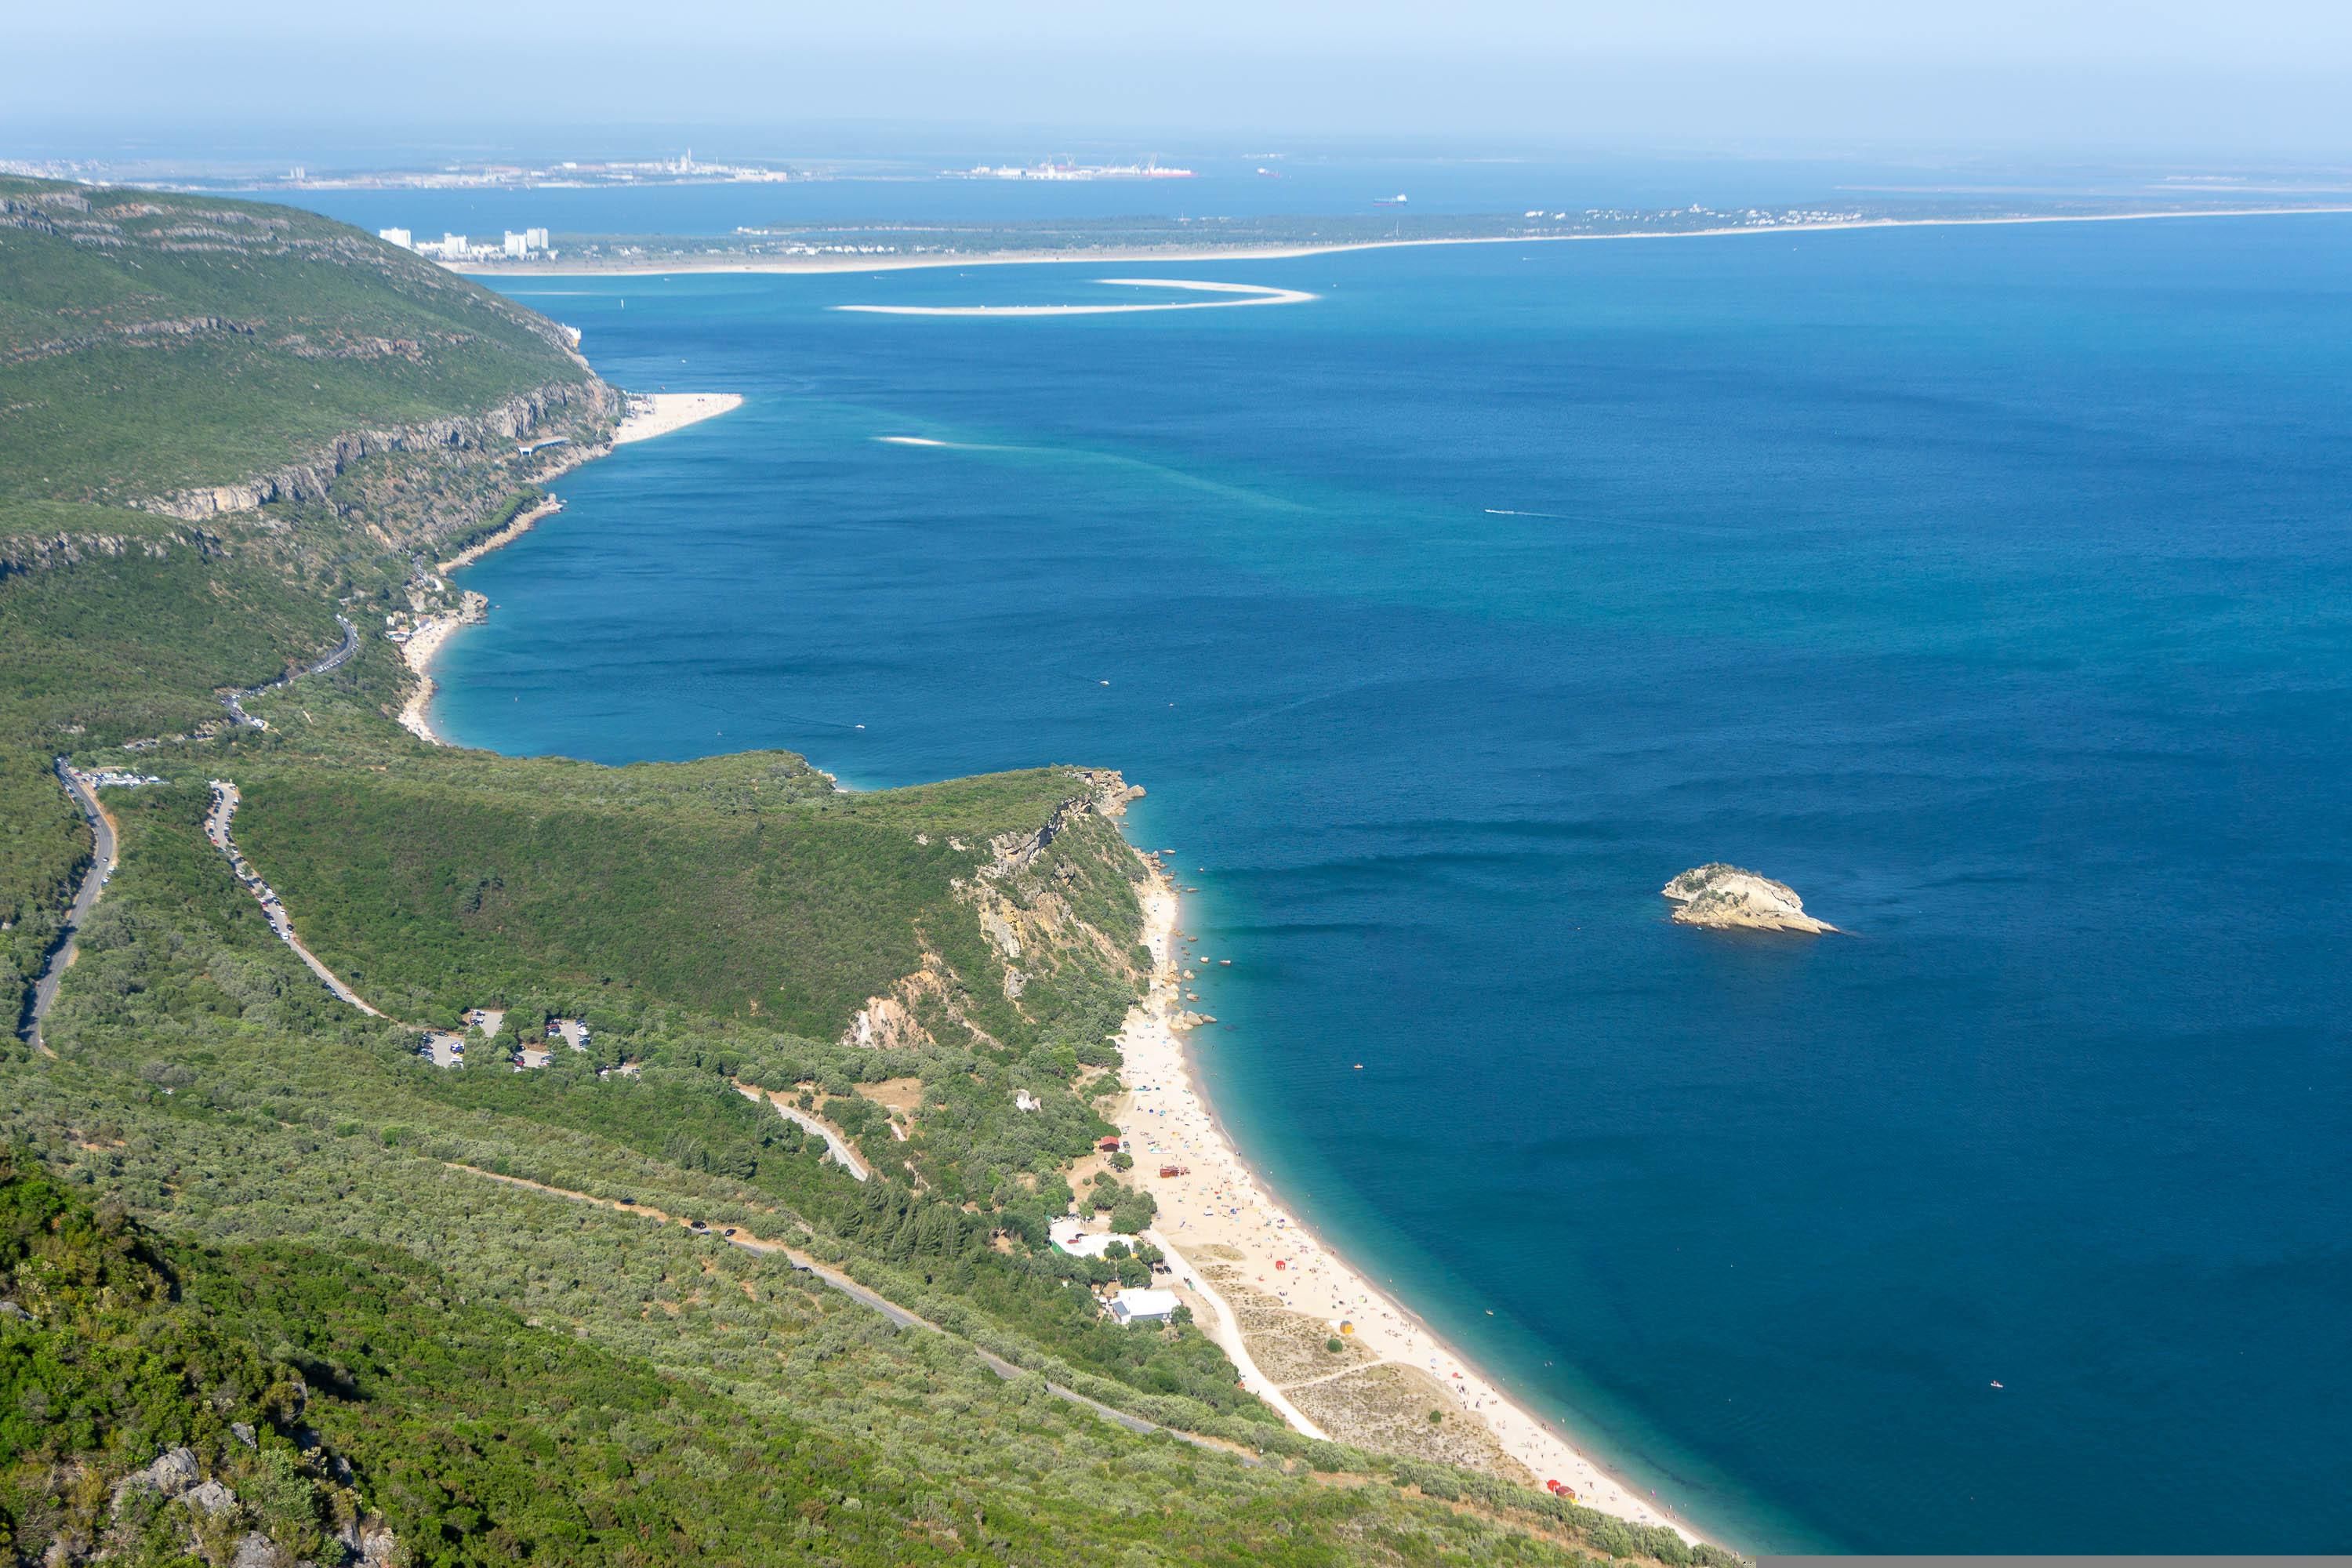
[{"x": 869, "y": 1299}]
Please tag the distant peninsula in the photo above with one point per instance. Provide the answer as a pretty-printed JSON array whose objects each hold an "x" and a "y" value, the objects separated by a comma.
[
  {"x": 1723, "y": 896},
  {"x": 882, "y": 246}
]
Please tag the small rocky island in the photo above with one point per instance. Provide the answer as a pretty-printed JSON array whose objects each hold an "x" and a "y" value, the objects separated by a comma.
[{"x": 1723, "y": 896}]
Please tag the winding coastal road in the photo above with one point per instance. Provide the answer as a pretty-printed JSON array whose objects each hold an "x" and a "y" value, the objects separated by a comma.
[
  {"x": 333, "y": 658},
  {"x": 219, "y": 821},
  {"x": 104, "y": 853}
]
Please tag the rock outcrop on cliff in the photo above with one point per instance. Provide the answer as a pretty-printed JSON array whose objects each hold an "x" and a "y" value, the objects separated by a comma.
[
  {"x": 1723, "y": 896},
  {"x": 1025, "y": 899},
  {"x": 308, "y": 479}
]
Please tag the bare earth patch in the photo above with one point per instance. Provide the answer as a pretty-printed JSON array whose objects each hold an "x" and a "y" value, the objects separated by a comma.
[
  {"x": 1387, "y": 1407},
  {"x": 1352, "y": 1394},
  {"x": 901, "y": 1094}
]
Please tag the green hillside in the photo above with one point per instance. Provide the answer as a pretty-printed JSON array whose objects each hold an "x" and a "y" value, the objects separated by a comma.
[
  {"x": 149, "y": 342},
  {"x": 400, "y": 1312}
]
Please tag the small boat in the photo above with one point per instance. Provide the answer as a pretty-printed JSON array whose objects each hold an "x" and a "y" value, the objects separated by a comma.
[{"x": 1996, "y": 1385}]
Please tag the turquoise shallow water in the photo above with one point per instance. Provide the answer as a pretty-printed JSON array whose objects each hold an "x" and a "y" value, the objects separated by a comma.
[{"x": 1990, "y": 585}]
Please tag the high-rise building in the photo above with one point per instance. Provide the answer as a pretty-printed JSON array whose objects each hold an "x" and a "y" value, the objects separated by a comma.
[{"x": 399, "y": 236}]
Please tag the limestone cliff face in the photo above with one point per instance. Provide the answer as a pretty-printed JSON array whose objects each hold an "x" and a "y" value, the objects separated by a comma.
[
  {"x": 309, "y": 479},
  {"x": 36, "y": 552},
  {"x": 1023, "y": 897},
  {"x": 1105, "y": 794},
  {"x": 1723, "y": 896}
]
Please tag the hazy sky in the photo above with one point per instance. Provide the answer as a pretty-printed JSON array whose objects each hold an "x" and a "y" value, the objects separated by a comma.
[{"x": 2270, "y": 76}]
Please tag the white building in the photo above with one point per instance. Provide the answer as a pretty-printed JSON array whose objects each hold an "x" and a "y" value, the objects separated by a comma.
[
  {"x": 399, "y": 236},
  {"x": 516, "y": 245},
  {"x": 534, "y": 239},
  {"x": 1143, "y": 1306},
  {"x": 1070, "y": 1235}
]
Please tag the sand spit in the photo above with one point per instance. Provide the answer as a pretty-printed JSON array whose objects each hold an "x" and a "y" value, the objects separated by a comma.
[
  {"x": 1245, "y": 294},
  {"x": 683, "y": 266},
  {"x": 652, "y": 414},
  {"x": 1273, "y": 1295}
]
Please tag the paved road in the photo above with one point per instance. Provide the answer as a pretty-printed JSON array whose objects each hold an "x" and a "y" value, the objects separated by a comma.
[
  {"x": 879, "y": 1303},
  {"x": 102, "y": 860},
  {"x": 843, "y": 1154},
  {"x": 216, "y": 829},
  {"x": 333, "y": 658},
  {"x": 342, "y": 652},
  {"x": 93, "y": 883}
]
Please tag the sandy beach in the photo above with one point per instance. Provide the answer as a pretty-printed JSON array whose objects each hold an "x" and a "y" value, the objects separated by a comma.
[
  {"x": 1111, "y": 254},
  {"x": 652, "y": 414},
  {"x": 418, "y": 650},
  {"x": 1236, "y": 1253}
]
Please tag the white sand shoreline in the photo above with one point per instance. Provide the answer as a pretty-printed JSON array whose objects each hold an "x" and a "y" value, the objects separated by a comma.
[
  {"x": 521, "y": 524},
  {"x": 1168, "y": 1121},
  {"x": 418, "y": 652},
  {"x": 827, "y": 264},
  {"x": 650, "y": 414},
  {"x": 1164, "y": 1114},
  {"x": 1249, "y": 294}
]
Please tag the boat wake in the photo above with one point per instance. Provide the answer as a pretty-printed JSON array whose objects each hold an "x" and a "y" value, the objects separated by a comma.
[{"x": 1245, "y": 294}]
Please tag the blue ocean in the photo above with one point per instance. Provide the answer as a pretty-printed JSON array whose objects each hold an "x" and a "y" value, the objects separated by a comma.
[{"x": 1990, "y": 585}]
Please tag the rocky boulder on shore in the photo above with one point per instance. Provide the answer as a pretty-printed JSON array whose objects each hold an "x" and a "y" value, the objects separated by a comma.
[{"x": 1723, "y": 896}]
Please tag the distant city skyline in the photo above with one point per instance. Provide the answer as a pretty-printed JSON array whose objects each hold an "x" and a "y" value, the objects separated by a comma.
[{"x": 2270, "y": 77}]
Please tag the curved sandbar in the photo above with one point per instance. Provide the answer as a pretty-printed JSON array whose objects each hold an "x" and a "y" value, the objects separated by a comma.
[{"x": 1250, "y": 294}]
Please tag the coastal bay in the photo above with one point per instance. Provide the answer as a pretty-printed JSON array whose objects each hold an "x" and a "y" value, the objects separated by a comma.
[
  {"x": 1222, "y": 1228},
  {"x": 645, "y": 415},
  {"x": 1657, "y": 553}
]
